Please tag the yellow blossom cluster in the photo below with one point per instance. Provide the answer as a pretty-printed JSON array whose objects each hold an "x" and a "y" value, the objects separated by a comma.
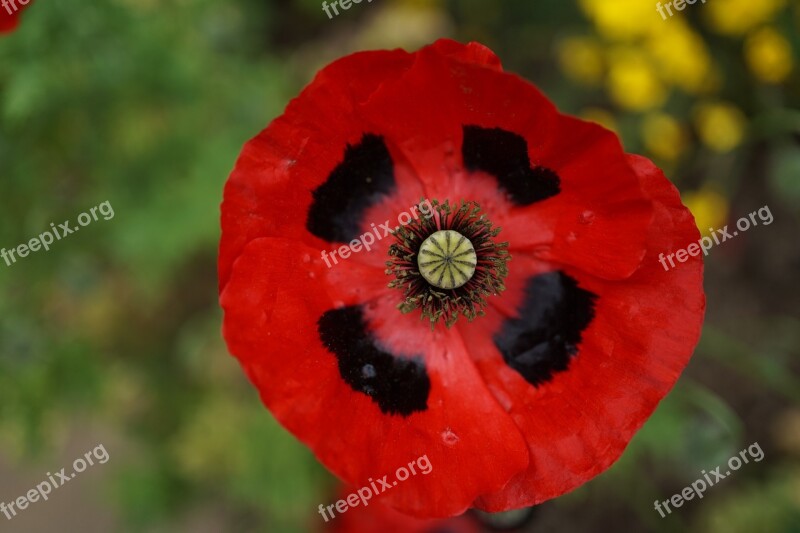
[{"x": 643, "y": 60}]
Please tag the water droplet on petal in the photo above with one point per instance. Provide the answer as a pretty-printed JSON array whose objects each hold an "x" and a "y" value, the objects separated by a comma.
[
  {"x": 368, "y": 371},
  {"x": 312, "y": 275},
  {"x": 307, "y": 258},
  {"x": 449, "y": 438},
  {"x": 572, "y": 237},
  {"x": 587, "y": 217}
]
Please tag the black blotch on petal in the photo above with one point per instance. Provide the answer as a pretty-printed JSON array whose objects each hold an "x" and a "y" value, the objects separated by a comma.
[
  {"x": 365, "y": 175},
  {"x": 545, "y": 337},
  {"x": 504, "y": 155},
  {"x": 398, "y": 385}
]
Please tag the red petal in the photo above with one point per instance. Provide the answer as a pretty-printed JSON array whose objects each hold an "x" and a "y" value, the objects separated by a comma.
[
  {"x": 596, "y": 223},
  {"x": 10, "y": 21},
  {"x": 377, "y": 518},
  {"x": 643, "y": 335},
  {"x": 279, "y": 168},
  {"x": 271, "y": 307}
]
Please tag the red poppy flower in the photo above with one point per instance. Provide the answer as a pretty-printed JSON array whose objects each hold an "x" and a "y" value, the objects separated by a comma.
[
  {"x": 542, "y": 348},
  {"x": 9, "y": 14}
]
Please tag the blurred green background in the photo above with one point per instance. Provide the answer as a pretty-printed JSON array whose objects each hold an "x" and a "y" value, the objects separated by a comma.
[{"x": 113, "y": 336}]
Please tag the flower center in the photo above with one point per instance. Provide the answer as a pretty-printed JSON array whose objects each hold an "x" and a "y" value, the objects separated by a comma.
[
  {"x": 447, "y": 259},
  {"x": 447, "y": 262}
]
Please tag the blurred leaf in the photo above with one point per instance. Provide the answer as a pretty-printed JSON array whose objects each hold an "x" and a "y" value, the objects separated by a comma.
[{"x": 785, "y": 176}]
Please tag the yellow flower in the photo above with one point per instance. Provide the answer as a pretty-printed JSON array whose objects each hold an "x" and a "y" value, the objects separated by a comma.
[
  {"x": 709, "y": 207},
  {"x": 664, "y": 137},
  {"x": 681, "y": 55},
  {"x": 768, "y": 55},
  {"x": 633, "y": 82},
  {"x": 581, "y": 59},
  {"x": 600, "y": 116},
  {"x": 403, "y": 25},
  {"x": 622, "y": 19},
  {"x": 737, "y": 17},
  {"x": 721, "y": 126}
]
